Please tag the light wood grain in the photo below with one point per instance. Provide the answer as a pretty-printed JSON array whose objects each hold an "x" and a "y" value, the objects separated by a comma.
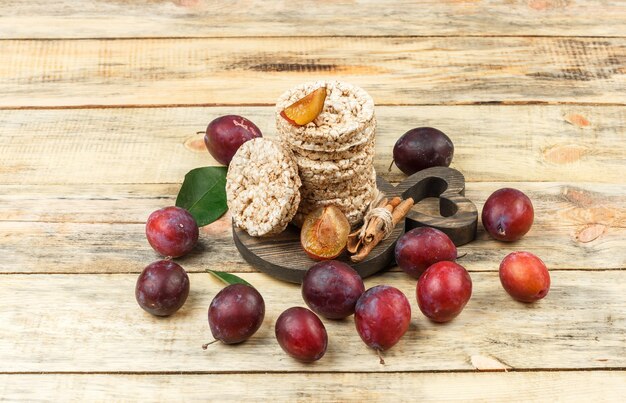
[
  {"x": 84, "y": 323},
  {"x": 129, "y": 203},
  {"x": 395, "y": 71},
  {"x": 76, "y": 186},
  {"x": 100, "y": 228},
  {"x": 146, "y": 145},
  {"x": 596, "y": 386},
  {"x": 122, "y": 18}
]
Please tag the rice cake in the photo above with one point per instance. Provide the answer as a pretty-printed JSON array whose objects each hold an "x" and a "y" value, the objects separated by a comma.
[{"x": 263, "y": 187}]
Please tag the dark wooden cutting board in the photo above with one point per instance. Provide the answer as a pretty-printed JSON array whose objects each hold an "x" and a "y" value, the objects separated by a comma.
[{"x": 282, "y": 256}]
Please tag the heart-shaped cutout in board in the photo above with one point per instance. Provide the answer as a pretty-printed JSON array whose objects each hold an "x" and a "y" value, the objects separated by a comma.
[
  {"x": 458, "y": 215},
  {"x": 282, "y": 256}
]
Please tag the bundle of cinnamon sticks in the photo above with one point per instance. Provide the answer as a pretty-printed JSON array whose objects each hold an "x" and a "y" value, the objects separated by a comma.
[{"x": 362, "y": 242}]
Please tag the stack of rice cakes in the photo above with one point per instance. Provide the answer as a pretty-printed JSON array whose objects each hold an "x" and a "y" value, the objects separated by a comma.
[{"x": 335, "y": 152}]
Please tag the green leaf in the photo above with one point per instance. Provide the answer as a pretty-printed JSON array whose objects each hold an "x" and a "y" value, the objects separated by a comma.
[
  {"x": 228, "y": 278},
  {"x": 203, "y": 194}
]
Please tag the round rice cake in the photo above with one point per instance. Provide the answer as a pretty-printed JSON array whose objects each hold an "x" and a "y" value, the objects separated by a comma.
[
  {"x": 335, "y": 167},
  {"x": 316, "y": 175},
  {"x": 355, "y": 202},
  {"x": 356, "y": 185},
  {"x": 327, "y": 144},
  {"x": 347, "y": 118},
  {"x": 263, "y": 187},
  {"x": 367, "y": 147}
]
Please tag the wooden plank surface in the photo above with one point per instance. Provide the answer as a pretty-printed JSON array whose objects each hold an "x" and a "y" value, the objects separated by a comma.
[
  {"x": 433, "y": 70},
  {"x": 564, "y": 143},
  {"x": 86, "y": 323},
  {"x": 101, "y": 103},
  {"x": 597, "y": 386},
  {"x": 100, "y": 228},
  {"x": 180, "y": 18}
]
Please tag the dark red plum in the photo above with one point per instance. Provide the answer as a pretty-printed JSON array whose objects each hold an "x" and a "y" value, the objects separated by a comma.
[
  {"x": 331, "y": 289},
  {"x": 382, "y": 317},
  {"x": 508, "y": 214},
  {"x": 421, "y": 148},
  {"x": 422, "y": 247},
  {"x": 226, "y": 134},
  {"x": 172, "y": 231},
  {"x": 301, "y": 334},
  {"x": 162, "y": 288},
  {"x": 236, "y": 313},
  {"x": 443, "y": 291},
  {"x": 524, "y": 276}
]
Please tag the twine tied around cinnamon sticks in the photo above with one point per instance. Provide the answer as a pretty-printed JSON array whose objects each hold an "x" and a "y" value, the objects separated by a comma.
[{"x": 380, "y": 220}]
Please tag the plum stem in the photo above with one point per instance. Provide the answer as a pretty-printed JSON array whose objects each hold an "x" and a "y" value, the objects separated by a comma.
[
  {"x": 390, "y": 165},
  {"x": 205, "y": 346},
  {"x": 200, "y": 132},
  {"x": 462, "y": 256},
  {"x": 380, "y": 357},
  {"x": 501, "y": 230}
]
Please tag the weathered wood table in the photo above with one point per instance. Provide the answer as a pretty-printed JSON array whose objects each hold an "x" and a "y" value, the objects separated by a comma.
[{"x": 99, "y": 105}]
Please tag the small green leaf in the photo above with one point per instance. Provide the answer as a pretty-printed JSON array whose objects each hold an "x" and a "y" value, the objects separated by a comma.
[
  {"x": 203, "y": 194},
  {"x": 228, "y": 278}
]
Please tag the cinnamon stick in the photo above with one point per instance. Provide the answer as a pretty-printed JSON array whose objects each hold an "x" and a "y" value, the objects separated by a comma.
[
  {"x": 395, "y": 202},
  {"x": 354, "y": 240},
  {"x": 376, "y": 225},
  {"x": 397, "y": 215},
  {"x": 382, "y": 202},
  {"x": 402, "y": 210}
]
